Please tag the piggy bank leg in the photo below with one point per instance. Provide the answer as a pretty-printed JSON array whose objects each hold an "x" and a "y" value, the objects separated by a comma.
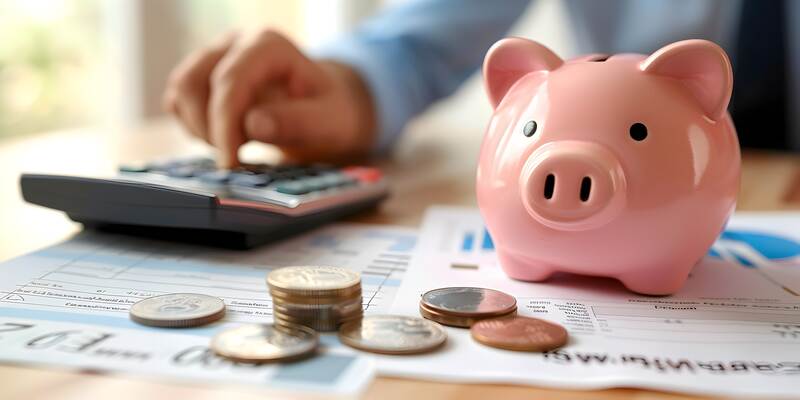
[
  {"x": 656, "y": 281},
  {"x": 523, "y": 270}
]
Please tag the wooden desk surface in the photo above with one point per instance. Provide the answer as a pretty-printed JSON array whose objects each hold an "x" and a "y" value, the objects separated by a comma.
[{"x": 432, "y": 165}]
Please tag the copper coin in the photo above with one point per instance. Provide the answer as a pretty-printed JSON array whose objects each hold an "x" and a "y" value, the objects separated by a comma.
[
  {"x": 444, "y": 319},
  {"x": 519, "y": 333},
  {"x": 469, "y": 302}
]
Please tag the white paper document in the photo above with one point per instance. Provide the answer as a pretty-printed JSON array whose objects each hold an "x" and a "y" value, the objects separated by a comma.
[
  {"x": 67, "y": 305},
  {"x": 734, "y": 329}
]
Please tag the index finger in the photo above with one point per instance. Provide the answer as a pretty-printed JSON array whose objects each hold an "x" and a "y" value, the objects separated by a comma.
[{"x": 248, "y": 66}]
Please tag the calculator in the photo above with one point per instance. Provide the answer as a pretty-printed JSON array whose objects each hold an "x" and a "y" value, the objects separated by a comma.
[{"x": 191, "y": 200}]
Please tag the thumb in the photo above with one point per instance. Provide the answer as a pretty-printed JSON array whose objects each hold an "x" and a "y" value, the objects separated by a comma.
[{"x": 286, "y": 123}]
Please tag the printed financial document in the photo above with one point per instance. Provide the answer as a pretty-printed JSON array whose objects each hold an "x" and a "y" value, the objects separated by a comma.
[
  {"x": 67, "y": 305},
  {"x": 734, "y": 329}
]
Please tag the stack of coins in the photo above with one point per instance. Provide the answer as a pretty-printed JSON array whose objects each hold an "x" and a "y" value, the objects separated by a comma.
[
  {"x": 464, "y": 306},
  {"x": 319, "y": 297},
  {"x": 491, "y": 317}
]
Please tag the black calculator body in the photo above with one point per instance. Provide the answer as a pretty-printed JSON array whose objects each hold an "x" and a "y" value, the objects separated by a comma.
[{"x": 191, "y": 200}]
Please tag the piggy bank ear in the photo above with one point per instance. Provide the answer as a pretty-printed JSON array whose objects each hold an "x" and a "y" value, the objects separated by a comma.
[
  {"x": 701, "y": 66},
  {"x": 509, "y": 60}
]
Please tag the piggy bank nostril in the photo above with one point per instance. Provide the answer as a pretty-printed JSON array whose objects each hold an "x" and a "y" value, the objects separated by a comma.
[
  {"x": 572, "y": 185},
  {"x": 549, "y": 186},
  {"x": 586, "y": 188}
]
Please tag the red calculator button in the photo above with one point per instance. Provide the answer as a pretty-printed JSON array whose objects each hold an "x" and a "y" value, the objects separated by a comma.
[{"x": 364, "y": 174}]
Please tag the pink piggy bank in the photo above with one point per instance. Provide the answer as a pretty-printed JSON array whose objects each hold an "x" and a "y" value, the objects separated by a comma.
[{"x": 624, "y": 166}]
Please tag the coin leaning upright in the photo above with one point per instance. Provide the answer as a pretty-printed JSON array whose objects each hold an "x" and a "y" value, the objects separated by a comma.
[
  {"x": 392, "y": 334},
  {"x": 257, "y": 343},
  {"x": 178, "y": 310}
]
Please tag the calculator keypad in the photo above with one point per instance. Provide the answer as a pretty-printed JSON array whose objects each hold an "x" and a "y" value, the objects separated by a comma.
[{"x": 288, "y": 186}]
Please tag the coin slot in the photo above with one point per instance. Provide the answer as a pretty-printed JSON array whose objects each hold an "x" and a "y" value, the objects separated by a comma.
[
  {"x": 549, "y": 186},
  {"x": 586, "y": 188}
]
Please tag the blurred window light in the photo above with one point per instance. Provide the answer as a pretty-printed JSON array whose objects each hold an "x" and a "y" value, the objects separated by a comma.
[
  {"x": 69, "y": 63},
  {"x": 51, "y": 64},
  {"x": 207, "y": 19}
]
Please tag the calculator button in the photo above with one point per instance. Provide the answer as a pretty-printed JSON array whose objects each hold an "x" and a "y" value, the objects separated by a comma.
[
  {"x": 182, "y": 172},
  {"x": 293, "y": 187},
  {"x": 200, "y": 163},
  {"x": 251, "y": 180},
  {"x": 161, "y": 167},
  {"x": 219, "y": 177},
  {"x": 316, "y": 183},
  {"x": 337, "y": 179},
  {"x": 132, "y": 168},
  {"x": 364, "y": 174}
]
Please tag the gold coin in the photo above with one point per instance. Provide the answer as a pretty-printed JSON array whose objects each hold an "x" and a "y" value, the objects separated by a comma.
[
  {"x": 262, "y": 343},
  {"x": 392, "y": 334},
  {"x": 322, "y": 322},
  {"x": 314, "y": 280},
  {"x": 280, "y": 296},
  {"x": 519, "y": 333},
  {"x": 178, "y": 310},
  {"x": 317, "y": 325},
  {"x": 313, "y": 322},
  {"x": 342, "y": 307}
]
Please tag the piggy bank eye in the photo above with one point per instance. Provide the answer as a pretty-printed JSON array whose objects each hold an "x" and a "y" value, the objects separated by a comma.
[
  {"x": 638, "y": 132},
  {"x": 530, "y": 128}
]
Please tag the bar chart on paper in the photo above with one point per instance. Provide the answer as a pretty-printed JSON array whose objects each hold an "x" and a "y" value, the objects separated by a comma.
[
  {"x": 106, "y": 274},
  {"x": 767, "y": 255},
  {"x": 88, "y": 283},
  {"x": 731, "y": 330}
]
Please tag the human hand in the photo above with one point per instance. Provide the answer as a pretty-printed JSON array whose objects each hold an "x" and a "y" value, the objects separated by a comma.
[{"x": 262, "y": 87}]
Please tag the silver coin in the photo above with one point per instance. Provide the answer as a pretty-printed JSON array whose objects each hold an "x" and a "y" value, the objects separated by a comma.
[
  {"x": 469, "y": 302},
  {"x": 178, "y": 310},
  {"x": 307, "y": 280},
  {"x": 392, "y": 334},
  {"x": 342, "y": 307},
  {"x": 320, "y": 323},
  {"x": 258, "y": 343}
]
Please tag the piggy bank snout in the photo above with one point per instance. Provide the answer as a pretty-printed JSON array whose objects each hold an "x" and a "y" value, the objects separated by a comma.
[{"x": 572, "y": 185}]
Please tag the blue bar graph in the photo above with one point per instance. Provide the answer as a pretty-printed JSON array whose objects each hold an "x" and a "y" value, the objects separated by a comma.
[
  {"x": 468, "y": 241},
  {"x": 488, "y": 244}
]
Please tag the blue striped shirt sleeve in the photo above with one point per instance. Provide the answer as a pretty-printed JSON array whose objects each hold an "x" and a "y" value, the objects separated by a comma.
[{"x": 418, "y": 52}]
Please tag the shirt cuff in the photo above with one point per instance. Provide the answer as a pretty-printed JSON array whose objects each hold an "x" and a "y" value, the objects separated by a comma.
[{"x": 378, "y": 77}]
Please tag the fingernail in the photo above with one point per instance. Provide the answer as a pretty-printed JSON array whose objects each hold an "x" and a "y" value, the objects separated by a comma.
[{"x": 262, "y": 125}]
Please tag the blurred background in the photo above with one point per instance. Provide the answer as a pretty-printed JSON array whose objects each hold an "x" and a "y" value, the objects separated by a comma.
[
  {"x": 67, "y": 63},
  {"x": 81, "y": 84},
  {"x": 76, "y": 63}
]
